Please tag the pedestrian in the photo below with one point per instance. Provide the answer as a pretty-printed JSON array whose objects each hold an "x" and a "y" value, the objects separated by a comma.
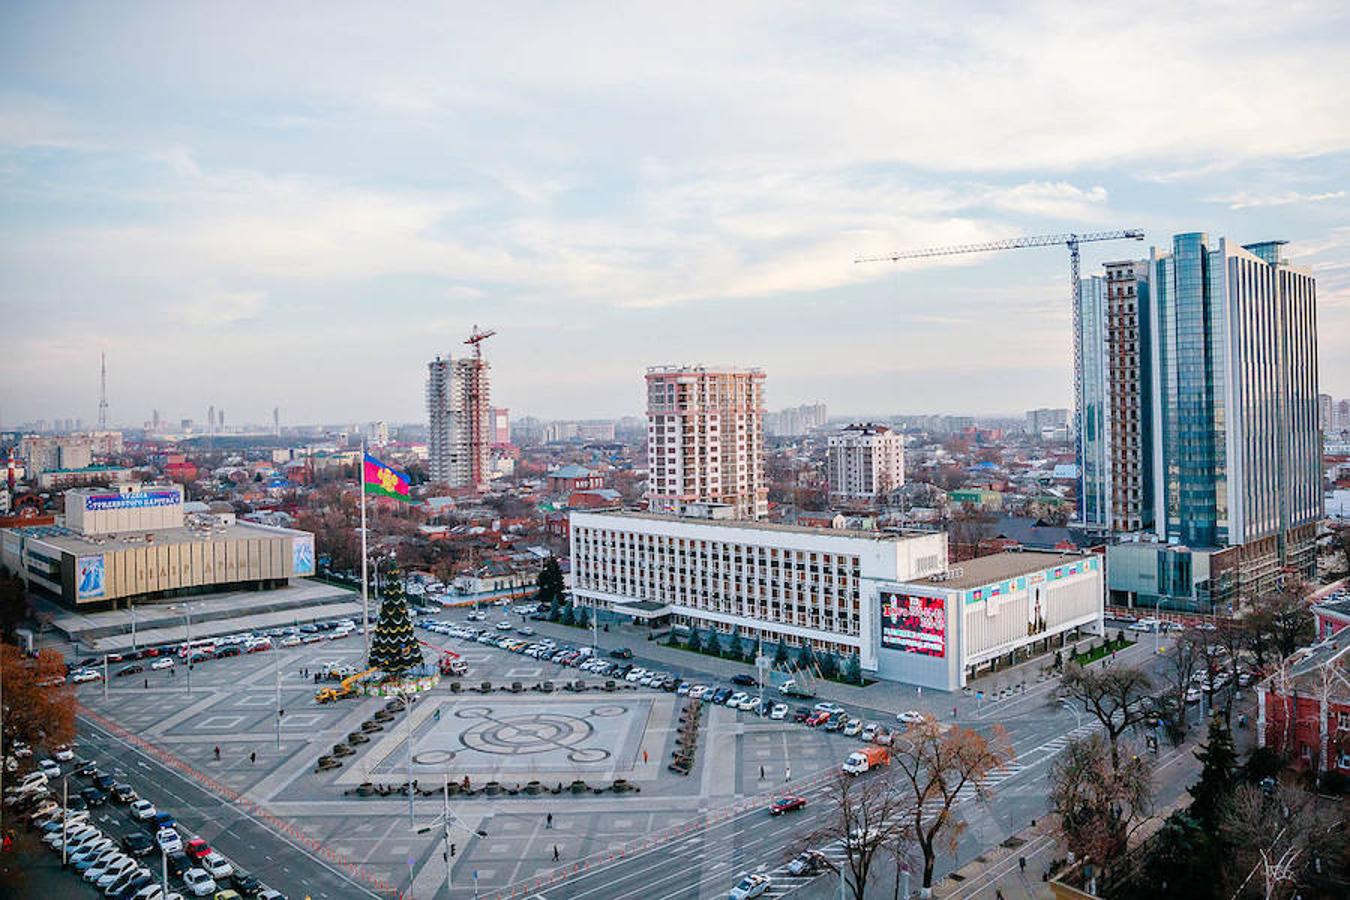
[
  {"x": 953, "y": 712},
  {"x": 217, "y": 751},
  {"x": 761, "y": 773},
  {"x": 787, "y": 774},
  {"x": 173, "y": 673},
  {"x": 998, "y": 894},
  {"x": 644, "y": 757},
  {"x": 555, "y": 853},
  {"x": 253, "y": 758},
  {"x": 147, "y": 684},
  {"x": 548, "y": 821},
  {"x": 1022, "y": 864}
]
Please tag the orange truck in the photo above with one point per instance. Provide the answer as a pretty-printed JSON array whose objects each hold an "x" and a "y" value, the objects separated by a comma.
[{"x": 866, "y": 759}]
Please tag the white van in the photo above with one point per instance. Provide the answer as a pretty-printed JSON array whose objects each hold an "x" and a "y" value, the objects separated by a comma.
[{"x": 31, "y": 780}]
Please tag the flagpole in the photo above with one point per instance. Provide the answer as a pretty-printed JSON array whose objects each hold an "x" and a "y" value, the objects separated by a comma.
[{"x": 365, "y": 581}]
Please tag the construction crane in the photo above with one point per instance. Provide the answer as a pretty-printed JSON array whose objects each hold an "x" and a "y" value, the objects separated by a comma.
[
  {"x": 476, "y": 339},
  {"x": 1044, "y": 240}
]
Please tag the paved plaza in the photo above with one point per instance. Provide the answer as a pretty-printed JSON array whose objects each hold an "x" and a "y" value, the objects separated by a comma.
[{"x": 500, "y": 737}]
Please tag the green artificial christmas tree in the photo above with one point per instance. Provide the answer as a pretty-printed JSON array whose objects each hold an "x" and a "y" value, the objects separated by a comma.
[{"x": 393, "y": 646}]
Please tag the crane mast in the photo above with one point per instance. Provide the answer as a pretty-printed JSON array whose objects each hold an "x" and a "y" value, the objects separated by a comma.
[{"x": 1072, "y": 241}]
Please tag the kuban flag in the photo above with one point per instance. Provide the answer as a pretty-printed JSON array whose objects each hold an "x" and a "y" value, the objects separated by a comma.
[{"x": 385, "y": 481}]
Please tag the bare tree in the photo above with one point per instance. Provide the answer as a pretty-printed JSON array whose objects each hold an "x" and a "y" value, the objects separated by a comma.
[
  {"x": 1280, "y": 838},
  {"x": 1179, "y": 668},
  {"x": 1279, "y": 621},
  {"x": 866, "y": 817},
  {"x": 1117, "y": 696},
  {"x": 933, "y": 776},
  {"x": 1097, "y": 804}
]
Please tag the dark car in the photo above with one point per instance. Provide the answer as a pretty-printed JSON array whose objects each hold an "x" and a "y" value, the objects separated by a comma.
[
  {"x": 721, "y": 695},
  {"x": 86, "y": 769},
  {"x": 93, "y": 796},
  {"x": 178, "y": 864},
  {"x": 810, "y": 862},
  {"x": 103, "y": 782},
  {"x": 133, "y": 669},
  {"x": 246, "y": 884},
  {"x": 138, "y": 843},
  {"x": 161, "y": 820},
  {"x": 786, "y": 804},
  {"x": 308, "y": 629},
  {"x": 231, "y": 650},
  {"x": 744, "y": 680},
  {"x": 129, "y": 884},
  {"x": 621, "y": 653},
  {"x": 89, "y": 662},
  {"x": 124, "y": 793},
  {"x": 801, "y": 714}
]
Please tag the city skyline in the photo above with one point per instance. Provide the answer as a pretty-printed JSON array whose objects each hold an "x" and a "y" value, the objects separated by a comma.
[{"x": 352, "y": 207}]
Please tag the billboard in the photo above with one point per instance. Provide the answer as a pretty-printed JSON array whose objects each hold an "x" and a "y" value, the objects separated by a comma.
[
  {"x": 132, "y": 500},
  {"x": 302, "y": 554},
  {"x": 90, "y": 577},
  {"x": 914, "y": 624}
]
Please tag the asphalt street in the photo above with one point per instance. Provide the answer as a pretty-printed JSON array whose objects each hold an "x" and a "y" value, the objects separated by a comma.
[{"x": 272, "y": 857}]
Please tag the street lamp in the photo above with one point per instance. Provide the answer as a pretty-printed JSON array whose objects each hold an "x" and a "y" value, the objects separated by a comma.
[
  {"x": 444, "y": 820},
  {"x": 188, "y": 654}
]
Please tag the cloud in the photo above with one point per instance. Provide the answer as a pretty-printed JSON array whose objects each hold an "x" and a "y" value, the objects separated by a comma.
[
  {"x": 216, "y": 307},
  {"x": 1245, "y": 200}
]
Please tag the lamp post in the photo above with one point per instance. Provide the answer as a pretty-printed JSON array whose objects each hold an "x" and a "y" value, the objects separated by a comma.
[
  {"x": 131, "y": 608},
  {"x": 444, "y": 820},
  {"x": 187, "y": 655}
]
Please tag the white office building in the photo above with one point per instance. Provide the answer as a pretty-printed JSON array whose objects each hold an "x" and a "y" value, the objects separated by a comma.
[
  {"x": 889, "y": 597},
  {"x": 865, "y": 461}
]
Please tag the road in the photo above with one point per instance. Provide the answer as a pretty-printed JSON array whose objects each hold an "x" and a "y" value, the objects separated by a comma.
[{"x": 249, "y": 843}]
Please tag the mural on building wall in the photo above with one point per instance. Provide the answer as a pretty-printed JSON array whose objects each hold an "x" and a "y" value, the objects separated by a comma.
[
  {"x": 302, "y": 555},
  {"x": 89, "y": 577},
  {"x": 914, "y": 624}
]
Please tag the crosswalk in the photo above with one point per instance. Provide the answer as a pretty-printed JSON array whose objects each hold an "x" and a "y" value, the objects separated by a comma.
[{"x": 785, "y": 883}]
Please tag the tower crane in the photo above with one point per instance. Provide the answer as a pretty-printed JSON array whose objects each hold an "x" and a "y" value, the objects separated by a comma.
[
  {"x": 1044, "y": 240},
  {"x": 475, "y": 340}
]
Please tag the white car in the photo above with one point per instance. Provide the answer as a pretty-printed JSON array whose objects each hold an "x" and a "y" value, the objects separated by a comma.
[
  {"x": 503, "y": 626},
  {"x": 909, "y": 716},
  {"x": 734, "y": 701},
  {"x": 94, "y": 873},
  {"x": 853, "y": 728},
  {"x": 50, "y": 768},
  {"x": 115, "y": 871},
  {"x": 291, "y": 640},
  {"x": 750, "y": 886},
  {"x": 80, "y": 676},
  {"x": 216, "y": 865},
  {"x": 779, "y": 712},
  {"x": 169, "y": 840},
  {"x": 164, "y": 662},
  {"x": 142, "y": 810},
  {"x": 63, "y": 754},
  {"x": 199, "y": 883},
  {"x": 697, "y": 691}
]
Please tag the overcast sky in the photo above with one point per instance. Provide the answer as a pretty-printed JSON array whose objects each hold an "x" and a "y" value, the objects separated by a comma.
[{"x": 297, "y": 205}]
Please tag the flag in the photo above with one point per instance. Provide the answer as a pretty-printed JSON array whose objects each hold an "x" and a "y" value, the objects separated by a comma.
[{"x": 385, "y": 481}]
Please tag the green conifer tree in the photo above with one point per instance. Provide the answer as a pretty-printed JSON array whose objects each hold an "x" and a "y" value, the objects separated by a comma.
[
  {"x": 1218, "y": 776},
  {"x": 393, "y": 645}
]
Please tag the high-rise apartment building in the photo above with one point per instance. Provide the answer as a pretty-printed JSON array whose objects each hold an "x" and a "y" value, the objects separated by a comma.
[
  {"x": 1209, "y": 372},
  {"x": 865, "y": 462},
  {"x": 1041, "y": 421},
  {"x": 1115, "y": 483},
  {"x": 705, "y": 439},
  {"x": 459, "y": 424},
  {"x": 501, "y": 426},
  {"x": 1325, "y": 406}
]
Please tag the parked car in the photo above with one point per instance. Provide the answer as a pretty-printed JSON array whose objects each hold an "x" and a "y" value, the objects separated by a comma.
[
  {"x": 123, "y": 793},
  {"x": 743, "y": 680},
  {"x": 621, "y": 653},
  {"x": 217, "y": 866},
  {"x": 169, "y": 840},
  {"x": 164, "y": 662},
  {"x": 142, "y": 810},
  {"x": 93, "y": 796},
  {"x": 246, "y": 884},
  {"x": 196, "y": 848},
  {"x": 909, "y": 716},
  {"x": 199, "y": 883},
  {"x": 137, "y": 843}
]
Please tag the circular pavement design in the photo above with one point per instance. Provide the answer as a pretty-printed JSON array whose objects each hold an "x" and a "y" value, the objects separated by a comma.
[{"x": 519, "y": 735}]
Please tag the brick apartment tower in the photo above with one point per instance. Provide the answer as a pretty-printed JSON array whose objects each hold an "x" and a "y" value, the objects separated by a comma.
[{"x": 705, "y": 439}]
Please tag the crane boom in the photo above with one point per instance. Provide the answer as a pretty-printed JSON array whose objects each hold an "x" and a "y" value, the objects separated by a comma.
[{"x": 1042, "y": 240}]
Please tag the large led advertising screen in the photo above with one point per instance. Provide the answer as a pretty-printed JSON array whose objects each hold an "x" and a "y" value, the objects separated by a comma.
[{"x": 914, "y": 624}]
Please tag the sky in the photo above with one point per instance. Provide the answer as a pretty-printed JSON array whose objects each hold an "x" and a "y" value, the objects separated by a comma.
[{"x": 252, "y": 205}]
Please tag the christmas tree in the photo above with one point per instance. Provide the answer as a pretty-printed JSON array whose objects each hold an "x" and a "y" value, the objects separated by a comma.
[{"x": 393, "y": 646}]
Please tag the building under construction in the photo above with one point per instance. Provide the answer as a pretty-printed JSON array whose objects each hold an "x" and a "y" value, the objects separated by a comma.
[{"x": 459, "y": 421}]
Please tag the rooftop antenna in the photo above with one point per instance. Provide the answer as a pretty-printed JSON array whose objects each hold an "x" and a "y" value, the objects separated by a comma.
[{"x": 103, "y": 392}]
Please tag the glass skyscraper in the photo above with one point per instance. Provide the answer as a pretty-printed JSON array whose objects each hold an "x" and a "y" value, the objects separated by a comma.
[{"x": 1227, "y": 427}]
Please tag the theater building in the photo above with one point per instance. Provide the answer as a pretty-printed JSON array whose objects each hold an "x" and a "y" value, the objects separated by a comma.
[{"x": 135, "y": 543}]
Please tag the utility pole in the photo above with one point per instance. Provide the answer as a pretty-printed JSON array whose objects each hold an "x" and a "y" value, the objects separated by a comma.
[
  {"x": 103, "y": 392},
  {"x": 276, "y": 671}
]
